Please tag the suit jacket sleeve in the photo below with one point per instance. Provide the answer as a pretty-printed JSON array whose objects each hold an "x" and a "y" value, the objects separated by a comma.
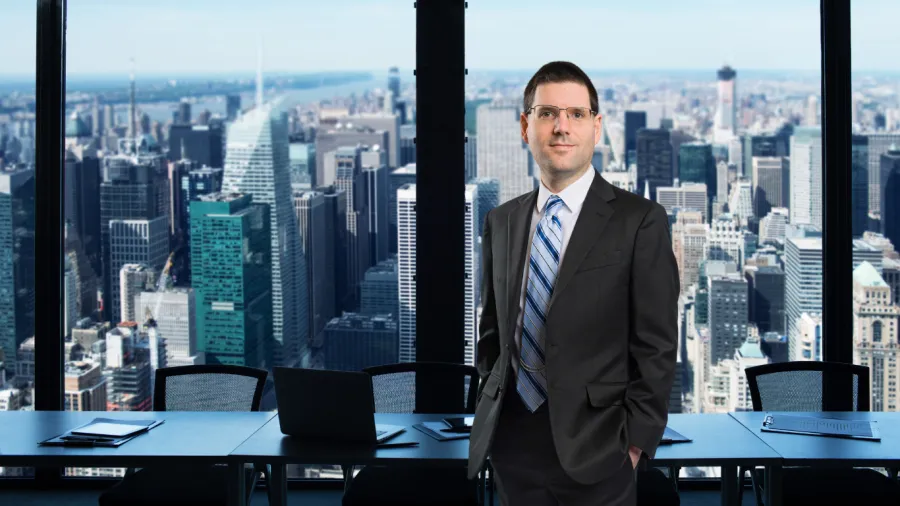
[
  {"x": 488, "y": 349},
  {"x": 653, "y": 342}
]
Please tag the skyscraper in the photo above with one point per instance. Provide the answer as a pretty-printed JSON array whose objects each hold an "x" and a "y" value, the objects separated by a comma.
[
  {"x": 634, "y": 121},
  {"x": 399, "y": 177},
  {"x": 406, "y": 261},
  {"x": 654, "y": 160},
  {"x": 380, "y": 290},
  {"x": 174, "y": 312},
  {"x": 134, "y": 279},
  {"x": 231, "y": 244},
  {"x": 728, "y": 308},
  {"x": 696, "y": 164},
  {"x": 875, "y": 319},
  {"x": 17, "y": 262},
  {"x": 890, "y": 189},
  {"x": 501, "y": 154},
  {"x": 257, "y": 163},
  {"x": 806, "y": 177},
  {"x": 766, "y": 286},
  {"x": 688, "y": 196},
  {"x": 354, "y": 342},
  {"x": 726, "y": 110},
  {"x": 377, "y": 183},
  {"x": 770, "y": 184},
  {"x": 329, "y": 140},
  {"x": 859, "y": 166},
  {"x": 136, "y": 242},
  {"x": 350, "y": 179},
  {"x": 232, "y": 106},
  {"x": 200, "y": 143},
  {"x": 82, "y": 199},
  {"x": 471, "y": 299},
  {"x": 689, "y": 235},
  {"x": 133, "y": 188},
  {"x": 311, "y": 211},
  {"x": 879, "y": 144}
]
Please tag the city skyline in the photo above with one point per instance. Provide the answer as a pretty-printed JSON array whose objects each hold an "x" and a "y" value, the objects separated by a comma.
[{"x": 700, "y": 34}]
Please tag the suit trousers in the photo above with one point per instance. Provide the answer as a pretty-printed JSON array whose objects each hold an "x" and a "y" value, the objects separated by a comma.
[{"x": 527, "y": 468}]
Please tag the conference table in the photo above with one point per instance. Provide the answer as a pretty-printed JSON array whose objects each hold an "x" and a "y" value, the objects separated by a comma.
[
  {"x": 238, "y": 438},
  {"x": 186, "y": 438}
]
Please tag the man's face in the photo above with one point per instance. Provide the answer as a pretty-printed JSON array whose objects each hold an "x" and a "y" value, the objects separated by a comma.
[{"x": 564, "y": 144}]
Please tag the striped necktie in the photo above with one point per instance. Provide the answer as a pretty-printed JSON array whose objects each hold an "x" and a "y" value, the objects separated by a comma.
[{"x": 543, "y": 265}]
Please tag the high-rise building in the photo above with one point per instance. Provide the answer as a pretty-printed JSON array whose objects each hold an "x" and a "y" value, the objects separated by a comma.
[
  {"x": 408, "y": 146},
  {"x": 740, "y": 202},
  {"x": 70, "y": 298},
  {"x": 750, "y": 354},
  {"x": 85, "y": 387},
  {"x": 878, "y": 144},
  {"x": 17, "y": 262},
  {"x": 354, "y": 342},
  {"x": 134, "y": 187},
  {"x": 136, "y": 242},
  {"x": 82, "y": 199},
  {"x": 184, "y": 112},
  {"x": 232, "y": 107},
  {"x": 772, "y": 226},
  {"x": 399, "y": 177},
  {"x": 766, "y": 286},
  {"x": 377, "y": 186},
  {"x": 696, "y": 164},
  {"x": 134, "y": 279},
  {"x": 200, "y": 143},
  {"x": 394, "y": 84},
  {"x": 197, "y": 182},
  {"x": 303, "y": 162},
  {"x": 232, "y": 266},
  {"x": 257, "y": 163},
  {"x": 311, "y": 212},
  {"x": 725, "y": 122},
  {"x": 654, "y": 160},
  {"x": 350, "y": 179},
  {"x": 336, "y": 244},
  {"x": 471, "y": 282},
  {"x": 725, "y": 241},
  {"x": 380, "y": 121},
  {"x": 634, "y": 121},
  {"x": 771, "y": 182},
  {"x": 806, "y": 177},
  {"x": 329, "y": 140},
  {"x": 406, "y": 262},
  {"x": 811, "y": 115},
  {"x": 769, "y": 145},
  {"x": 471, "y": 155},
  {"x": 380, "y": 290},
  {"x": 174, "y": 312},
  {"x": 687, "y": 196},
  {"x": 689, "y": 234},
  {"x": 728, "y": 310},
  {"x": 501, "y": 154},
  {"x": 875, "y": 318},
  {"x": 859, "y": 166},
  {"x": 890, "y": 189}
]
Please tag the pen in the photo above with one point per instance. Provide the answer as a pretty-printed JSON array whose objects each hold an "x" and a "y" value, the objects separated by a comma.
[{"x": 399, "y": 445}]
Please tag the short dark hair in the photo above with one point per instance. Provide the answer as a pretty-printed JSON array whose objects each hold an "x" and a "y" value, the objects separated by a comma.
[{"x": 559, "y": 72}]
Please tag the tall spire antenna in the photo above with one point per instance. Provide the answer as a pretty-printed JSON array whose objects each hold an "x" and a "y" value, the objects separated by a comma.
[
  {"x": 132, "y": 113},
  {"x": 259, "y": 73}
]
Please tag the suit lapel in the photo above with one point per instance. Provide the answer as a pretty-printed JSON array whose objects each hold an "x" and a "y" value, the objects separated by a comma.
[
  {"x": 595, "y": 214},
  {"x": 518, "y": 222}
]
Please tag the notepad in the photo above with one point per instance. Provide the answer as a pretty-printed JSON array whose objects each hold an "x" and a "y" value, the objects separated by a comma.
[
  {"x": 107, "y": 429},
  {"x": 820, "y": 426}
]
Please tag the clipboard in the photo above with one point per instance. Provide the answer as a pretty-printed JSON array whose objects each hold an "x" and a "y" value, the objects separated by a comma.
[
  {"x": 823, "y": 426},
  {"x": 76, "y": 439},
  {"x": 436, "y": 430},
  {"x": 671, "y": 436}
]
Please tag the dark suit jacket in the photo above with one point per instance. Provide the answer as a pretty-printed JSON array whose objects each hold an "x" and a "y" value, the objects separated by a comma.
[{"x": 611, "y": 329}]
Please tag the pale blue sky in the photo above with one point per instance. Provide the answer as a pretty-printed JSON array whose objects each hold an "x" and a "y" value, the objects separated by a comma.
[{"x": 198, "y": 36}]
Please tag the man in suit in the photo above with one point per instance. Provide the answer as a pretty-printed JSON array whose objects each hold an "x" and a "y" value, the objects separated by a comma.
[{"x": 578, "y": 333}]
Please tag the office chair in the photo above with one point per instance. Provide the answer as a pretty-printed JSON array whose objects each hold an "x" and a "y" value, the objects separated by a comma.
[
  {"x": 395, "y": 392},
  {"x": 803, "y": 386},
  {"x": 193, "y": 388}
]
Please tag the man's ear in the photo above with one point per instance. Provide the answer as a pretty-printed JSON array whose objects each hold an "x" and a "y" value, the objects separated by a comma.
[{"x": 523, "y": 123}]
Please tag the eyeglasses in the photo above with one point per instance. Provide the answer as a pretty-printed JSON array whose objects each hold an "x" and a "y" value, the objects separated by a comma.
[{"x": 549, "y": 113}]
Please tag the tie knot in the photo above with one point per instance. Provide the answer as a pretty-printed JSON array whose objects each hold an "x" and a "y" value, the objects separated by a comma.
[{"x": 553, "y": 204}]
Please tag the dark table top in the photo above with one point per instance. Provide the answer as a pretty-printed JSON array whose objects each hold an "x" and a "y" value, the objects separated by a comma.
[
  {"x": 798, "y": 449},
  {"x": 269, "y": 445},
  {"x": 718, "y": 440},
  {"x": 197, "y": 436}
]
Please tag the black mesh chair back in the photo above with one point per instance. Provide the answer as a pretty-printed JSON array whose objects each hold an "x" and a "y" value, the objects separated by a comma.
[
  {"x": 809, "y": 386},
  {"x": 394, "y": 386},
  {"x": 208, "y": 388}
]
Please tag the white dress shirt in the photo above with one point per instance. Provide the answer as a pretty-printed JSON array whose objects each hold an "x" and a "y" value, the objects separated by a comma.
[{"x": 573, "y": 198}]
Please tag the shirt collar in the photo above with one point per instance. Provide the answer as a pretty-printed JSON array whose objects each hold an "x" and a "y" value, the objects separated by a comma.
[{"x": 572, "y": 196}]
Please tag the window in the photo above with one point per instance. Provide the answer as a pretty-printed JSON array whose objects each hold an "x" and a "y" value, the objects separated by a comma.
[
  {"x": 726, "y": 136},
  {"x": 236, "y": 179},
  {"x": 17, "y": 219},
  {"x": 876, "y": 193}
]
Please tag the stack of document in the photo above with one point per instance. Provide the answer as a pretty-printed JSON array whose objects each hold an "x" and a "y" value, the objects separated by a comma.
[{"x": 103, "y": 432}]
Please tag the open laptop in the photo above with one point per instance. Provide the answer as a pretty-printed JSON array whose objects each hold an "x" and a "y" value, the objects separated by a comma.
[{"x": 329, "y": 405}]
